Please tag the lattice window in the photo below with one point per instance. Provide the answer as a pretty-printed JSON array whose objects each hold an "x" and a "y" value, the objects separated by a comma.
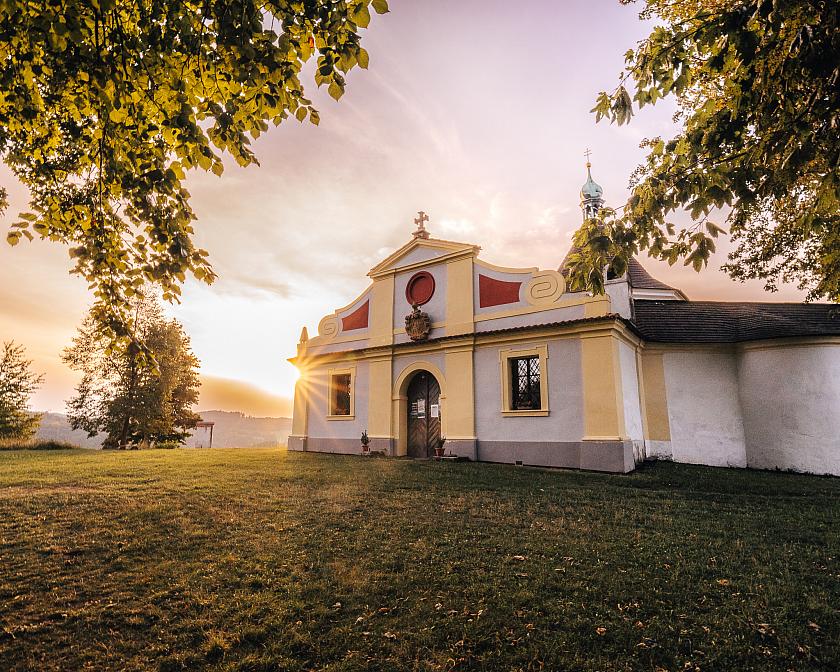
[
  {"x": 525, "y": 383},
  {"x": 340, "y": 394}
]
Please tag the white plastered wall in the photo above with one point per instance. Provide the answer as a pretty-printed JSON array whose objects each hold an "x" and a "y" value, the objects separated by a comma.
[
  {"x": 630, "y": 392},
  {"x": 790, "y": 394},
  {"x": 632, "y": 400},
  {"x": 704, "y": 408}
]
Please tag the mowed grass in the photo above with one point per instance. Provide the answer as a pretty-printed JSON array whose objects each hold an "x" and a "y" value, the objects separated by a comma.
[{"x": 267, "y": 560}]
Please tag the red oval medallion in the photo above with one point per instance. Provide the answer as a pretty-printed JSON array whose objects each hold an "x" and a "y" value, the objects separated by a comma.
[{"x": 420, "y": 288}]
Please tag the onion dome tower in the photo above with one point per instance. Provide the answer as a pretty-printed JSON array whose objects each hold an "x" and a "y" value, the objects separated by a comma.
[{"x": 591, "y": 193}]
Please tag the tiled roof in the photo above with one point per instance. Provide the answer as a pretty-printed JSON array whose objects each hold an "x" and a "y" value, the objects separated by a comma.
[
  {"x": 637, "y": 275},
  {"x": 641, "y": 279},
  {"x": 716, "y": 322}
]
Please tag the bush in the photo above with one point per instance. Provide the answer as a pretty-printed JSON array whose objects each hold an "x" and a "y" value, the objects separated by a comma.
[
  {"x": 34, "y": 444},
  {"x": 167, "y": 445}
]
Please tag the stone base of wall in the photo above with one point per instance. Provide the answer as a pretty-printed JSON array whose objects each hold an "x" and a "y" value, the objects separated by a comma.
[
  {"x": 658, "y": 450},
  {"x": 382, "y": 445},
  {"x": 462, "y": 448},
  {"x": 297, "y": 443},
  {"x": 611, "y": 456},
  {"x": 333, "y": 445}
]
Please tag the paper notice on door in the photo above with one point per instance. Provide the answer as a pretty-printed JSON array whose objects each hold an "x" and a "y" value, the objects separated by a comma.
[{"x": 435, "y": 410}]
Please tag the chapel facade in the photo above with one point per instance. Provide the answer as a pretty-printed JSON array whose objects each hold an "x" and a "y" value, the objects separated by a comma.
[{"x": 508, "y": 366}]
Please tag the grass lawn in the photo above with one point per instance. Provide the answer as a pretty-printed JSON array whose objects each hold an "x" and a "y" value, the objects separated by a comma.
[{"x": 263, "y": 560}]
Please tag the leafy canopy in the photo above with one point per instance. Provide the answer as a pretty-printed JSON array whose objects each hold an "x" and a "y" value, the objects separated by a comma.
[
  {"x": 105, "y": 105},
  {"x": 17, "y": 384},
  {"x": 130, "y": 403},
  {"x": 758, "y": 88}
]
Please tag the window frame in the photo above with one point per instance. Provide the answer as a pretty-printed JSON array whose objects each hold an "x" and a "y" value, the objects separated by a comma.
[
  {"x": 332, "y": 373},
  {"x": 505, "y": 358}
]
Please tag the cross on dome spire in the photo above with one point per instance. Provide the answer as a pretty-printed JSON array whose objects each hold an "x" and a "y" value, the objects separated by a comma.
[
  {"x": 421, "y": 229},
  {"x": 591, "y": 194}
]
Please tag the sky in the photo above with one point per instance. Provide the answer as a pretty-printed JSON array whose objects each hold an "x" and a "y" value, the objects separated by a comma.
[{"x": 475, "y": 111}]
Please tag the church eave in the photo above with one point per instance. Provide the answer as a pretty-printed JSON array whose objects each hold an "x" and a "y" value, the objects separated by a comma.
[
  {"x": 475, "y": 338},
  {"x": 451, "y": 250}
]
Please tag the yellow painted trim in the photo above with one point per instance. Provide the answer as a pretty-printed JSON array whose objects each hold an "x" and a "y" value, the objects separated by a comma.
[
  {"x": 383, "y": 267},
  {"x": 603, "y": 403},
  {"x": 459, "y": 418},
  {"x": 459, "y": 297},
  {"x": 435, "y": 325},
  {"x": 333, "y": 321},
  {"x": 526, "y": 310},
  {"x": 381, "y": 317},
  {"x": 434, "y": 261},
  {"x": 379, "y": 397},
  {"x": 656, "y": 424},
  {"x": 300, "y": 407},
  {"x": 507, "y": 269},
  {"x": 505, "y": 356},
  {"x": 602, "y": 305},
  {"x": 353, "y": 303},
  {"x": 315, "y": 341},
  {"x": 339, "y": 372},
  {"x": 580, "y": 330}
]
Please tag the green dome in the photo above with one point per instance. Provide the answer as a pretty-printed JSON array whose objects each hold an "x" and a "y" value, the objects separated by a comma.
[{"x": 590, "y": 189}]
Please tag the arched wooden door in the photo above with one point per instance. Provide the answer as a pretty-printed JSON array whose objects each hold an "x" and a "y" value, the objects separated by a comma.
[{"x": 423, "y": 415}]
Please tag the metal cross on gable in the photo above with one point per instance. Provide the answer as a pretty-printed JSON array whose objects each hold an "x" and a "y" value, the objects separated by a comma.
[{"x": 587, "y": 154}]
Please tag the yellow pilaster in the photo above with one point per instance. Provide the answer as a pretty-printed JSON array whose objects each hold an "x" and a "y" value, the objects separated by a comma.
[
  {"x": 379, "y": 398},
  {"x": 399, "y": 416},
  {"x": 381, "y": 327},
  {"x": 459, "y": 405},
  {"x": 654, "y": 399},
  {"x": 603, "y": 404},
  {"x": 459, "y": 297},
  {"x": 597, "y": 306}
]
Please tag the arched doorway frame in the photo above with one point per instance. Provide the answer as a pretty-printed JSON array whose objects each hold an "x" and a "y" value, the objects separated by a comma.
[{"x": 399, "y": 429}]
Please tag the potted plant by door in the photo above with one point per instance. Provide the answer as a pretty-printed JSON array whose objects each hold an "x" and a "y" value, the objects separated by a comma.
[
  {"x": 365, "y": 443},
  {"x": 439, "y": 447}
]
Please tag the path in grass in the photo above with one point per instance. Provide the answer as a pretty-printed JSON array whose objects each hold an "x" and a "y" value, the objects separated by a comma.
[{"x": 263, "y": 560}]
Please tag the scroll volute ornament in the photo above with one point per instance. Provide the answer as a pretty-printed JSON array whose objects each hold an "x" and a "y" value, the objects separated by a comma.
[{"x": 417, "y": 324}]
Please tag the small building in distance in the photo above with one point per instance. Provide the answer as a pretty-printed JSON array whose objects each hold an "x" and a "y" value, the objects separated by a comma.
[{"x": 202, "y": 435}]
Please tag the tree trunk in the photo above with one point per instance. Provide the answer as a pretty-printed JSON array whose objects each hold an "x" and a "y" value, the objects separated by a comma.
[{"x": 132, "y": 385}]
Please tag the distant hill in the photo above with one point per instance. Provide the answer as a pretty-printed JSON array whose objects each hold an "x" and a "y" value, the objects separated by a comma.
[
  {"x": 232, "y": 430},
  {"x": 55, "y": 427},
  {"x": 237, "y": 430}
]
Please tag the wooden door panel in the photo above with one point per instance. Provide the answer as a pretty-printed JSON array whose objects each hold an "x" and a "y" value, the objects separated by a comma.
[
  {"x": 423, "y": 401},
  {"x": 433, "y": 425}
]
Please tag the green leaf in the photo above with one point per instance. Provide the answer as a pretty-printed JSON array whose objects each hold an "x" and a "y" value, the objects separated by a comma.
[
  {"x": 380, "y": 6},
  {"x": 335, "y": 90},
  {"x": 361, "y": 15},
  {"x": 363, "y": 58}
]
